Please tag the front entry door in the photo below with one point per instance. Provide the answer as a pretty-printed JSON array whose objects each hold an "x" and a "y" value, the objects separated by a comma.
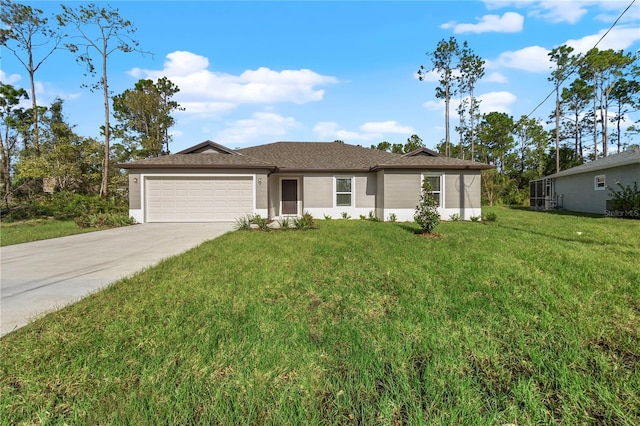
[{"x": 289, "y": 196}]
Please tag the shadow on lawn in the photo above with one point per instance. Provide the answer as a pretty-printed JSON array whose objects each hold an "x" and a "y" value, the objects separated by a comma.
[
  {"x": 560, "y": 212},
  {"x": 577, "y": 239}
]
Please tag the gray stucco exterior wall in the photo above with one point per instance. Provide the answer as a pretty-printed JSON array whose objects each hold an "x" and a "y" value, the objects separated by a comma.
[
  {"x": 462, "y": 190},
  {"x": 135, "y": 198},
  {"x": 401, "y": 189},
  {"x": 577, "y": 192}
]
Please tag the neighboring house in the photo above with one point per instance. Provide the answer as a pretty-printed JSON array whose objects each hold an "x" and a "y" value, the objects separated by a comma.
[
  {"x": 209, "y": 182},
  {"x": 585, "y": 188}
]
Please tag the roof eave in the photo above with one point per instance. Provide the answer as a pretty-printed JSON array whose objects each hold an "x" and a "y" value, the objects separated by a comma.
[
  {"x": 479, "y": 166},
  {"x": 195, "y": 166}
]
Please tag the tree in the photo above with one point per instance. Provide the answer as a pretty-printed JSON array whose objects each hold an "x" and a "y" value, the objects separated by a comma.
[
  {"x": 471, "y": 70},
  {"x": 626, "y": 96},
  {"x": 10, "y": 97},
  {"x": 495, "y": 136},
  {"x": 575, "y": 99},
  {"x": 144, "y": 116},
  {"x": 413, "y": 142},
  {"x": 564, "y": 61},
  {"x": 532, "y": 141},
  {"x": 382, "y": 146},
  {"x": 426, "y": 214},
  {"x": 444, "y": 63},
  {"x": 101, "y": 31},
  {"x": 25, "y": 30},
  {"x": 603, "y": 68},
  {"x": 68, "y": 161}
]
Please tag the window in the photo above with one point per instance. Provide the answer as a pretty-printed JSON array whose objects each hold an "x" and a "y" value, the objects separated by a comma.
[
  {"x": 344, "y": 191},
  {"x": 599, "y": 183},
  {"x": 436, "y": 187}
]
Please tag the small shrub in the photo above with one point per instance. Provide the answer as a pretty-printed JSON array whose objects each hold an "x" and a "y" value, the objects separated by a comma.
[
  {"x": 284, "y": 223},
  {"x": 372, "y": 216},
  {"x": 345, "y": 215},
  {"x": 393, "y": 217},
  {"x": 426, "y": 215},
  {"x": 627, "y": 198},
  {"x": 304, "y": 222},
  {"x": 363, "y": 217},
  {"x": 261, "y": 222},
  {"x": 490, "y": 217},
  {"x": 104, "y": 220},
  {"x": 454, "y": 217},
  {"x": 243, "y": 223},
  {"x": 475, "y": 218},
  {"x": 327, "y": 217}
]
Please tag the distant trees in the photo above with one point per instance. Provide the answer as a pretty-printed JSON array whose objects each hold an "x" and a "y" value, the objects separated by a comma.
[
  {"x": 413, "y": 142},
  {"x": 25, "y": 32},
  {"x": 459, "y": 69},
  {"x": 99, "y": 31},
  {"x": 144, "y": 117},
  {"x": 11, "y": 125}
]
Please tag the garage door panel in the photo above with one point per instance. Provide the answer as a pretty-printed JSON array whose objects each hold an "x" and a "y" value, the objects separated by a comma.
[{"x": 198, "y": 199}]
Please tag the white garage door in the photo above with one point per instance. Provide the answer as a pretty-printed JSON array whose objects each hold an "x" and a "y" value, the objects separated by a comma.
[{"x": 198, "y": 199}]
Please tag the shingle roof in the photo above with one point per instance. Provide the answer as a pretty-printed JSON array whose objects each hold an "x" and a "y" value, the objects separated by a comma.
[
  {"x": 335, "y": 156},
  {"x": 624, "y": 158},
  {"x": 199, "y": 161},
  {"x": 303, "y": 156}
]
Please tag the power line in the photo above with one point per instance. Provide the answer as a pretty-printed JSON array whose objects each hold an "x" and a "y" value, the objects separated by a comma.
[{"x": 577, "y": 64}]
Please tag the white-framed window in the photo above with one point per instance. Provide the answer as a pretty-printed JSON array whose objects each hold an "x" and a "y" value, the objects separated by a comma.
[
  {"x": 344, "y": 191},
  {"x": 599, "y": 183},
  {"x": 436, "y": 187}
]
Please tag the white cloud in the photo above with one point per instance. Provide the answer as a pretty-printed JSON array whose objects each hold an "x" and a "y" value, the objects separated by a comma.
[
  {"x": 617, "y": 39},
  {"x": 255, "y": 129},
  {"x": 554, "y": 11},
  {"x": 9, "y": 78},
  {"x": 206, "y": 91},
  {"x": 386, "y": 127},
  {"x": 330, "y": 130},
  {"x": 509, "y": 22},
  {"x": 532, "y": 58},
  {"x": 495, "y": 77},
  {"x": 373, "y": 130},
  {"x": 491, "y": 101},
  {"x": 497, "y": 101}
]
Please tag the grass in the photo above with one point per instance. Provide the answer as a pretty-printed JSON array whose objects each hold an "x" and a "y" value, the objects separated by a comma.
[
  {"x": 37, "y": 229},
  {"x": 532, "y": 319}
]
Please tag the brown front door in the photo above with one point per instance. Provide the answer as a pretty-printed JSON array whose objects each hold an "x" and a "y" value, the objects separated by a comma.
[{"x": 289, "y": 196}]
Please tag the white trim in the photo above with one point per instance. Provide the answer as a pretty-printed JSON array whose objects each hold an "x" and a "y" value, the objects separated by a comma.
[
  {"x": 298, "y": 197},
  {"x": 141, "y": 214},
  {"x": 595, "y": 183},
  {"x": 335, "y": 191}
]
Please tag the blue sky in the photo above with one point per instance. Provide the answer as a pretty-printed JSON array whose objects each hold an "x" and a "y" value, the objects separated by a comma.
[{"x": 258, "y": 72}]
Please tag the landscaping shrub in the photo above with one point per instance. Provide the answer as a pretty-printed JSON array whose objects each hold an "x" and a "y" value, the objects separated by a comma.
[
  {"x": 261, "y": 222},
  {"x": 426, "y": 215},
  {"x": 489, "y": 217},
  {"x": 627, "y": 198},
  {"x": 243, "y": 223},
  {"x": 304, "y": 222},
  {"x": 104, "y": 220},
  {"x": 284, "y": 223}
]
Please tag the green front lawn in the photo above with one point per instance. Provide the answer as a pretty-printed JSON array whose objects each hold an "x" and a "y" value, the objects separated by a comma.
[
  {"x": 534, "y": 318},
  {"x": 37, "y": 229}
]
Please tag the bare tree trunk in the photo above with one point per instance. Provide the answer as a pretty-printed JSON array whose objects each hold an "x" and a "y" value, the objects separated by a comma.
[
  {"x": 557, "y": 130},
  {"x": 105, "y": 90},
  {"x": 446, "y": 120}
]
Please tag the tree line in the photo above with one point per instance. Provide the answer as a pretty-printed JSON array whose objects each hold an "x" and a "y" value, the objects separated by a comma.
[
  {"x": 40, "y": 149},
  {"x": 595, "y": 93}
]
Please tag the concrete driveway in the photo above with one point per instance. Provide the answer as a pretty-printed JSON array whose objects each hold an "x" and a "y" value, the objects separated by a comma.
[{"x": 42, "y": 276}]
